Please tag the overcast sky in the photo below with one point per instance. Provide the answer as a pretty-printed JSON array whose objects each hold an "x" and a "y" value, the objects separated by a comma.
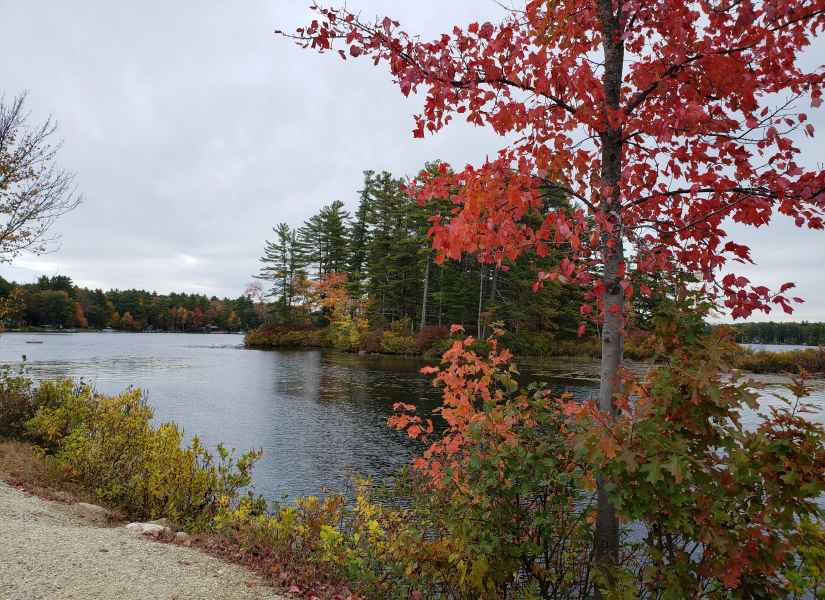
[{"x": 193, "y": 131}]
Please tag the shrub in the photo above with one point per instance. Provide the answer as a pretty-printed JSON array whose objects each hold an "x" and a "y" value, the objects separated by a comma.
[
  {"x": 590, "y": 347},
  {"x": 531, "y": 343},
  {"x": 396, "y": 343},
  {"x": 401, "y": 326},
  {"x": 717, "y": 510},
  {"x": 272, "y": 336},
  {"x": 640, "y": 346},
  {"x": 725, "y": 511},
  {"x": 344, "y": 335},
  {"x": 429, "y": 336},
  {"x": 16, "y": 404},
  {"x": 110, "y": 446},
  {"x": 499, "y": 507},
  {"x": 371, "y": 341},
  {"x": 260, "y": 337},
  {"x": 61, "y": 407},
  {"x": 761, "y": 361}
]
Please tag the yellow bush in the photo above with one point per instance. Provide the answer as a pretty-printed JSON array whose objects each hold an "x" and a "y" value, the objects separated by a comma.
[
  {"x": 110, "y": 446},
  {"x": 61, "y": 407},
  {"x": 345, "y": 335},
  {"x": 397, "y": 343}
]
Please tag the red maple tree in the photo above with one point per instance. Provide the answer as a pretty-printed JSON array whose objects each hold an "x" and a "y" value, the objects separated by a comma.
[{"x": 663, "y": 121}]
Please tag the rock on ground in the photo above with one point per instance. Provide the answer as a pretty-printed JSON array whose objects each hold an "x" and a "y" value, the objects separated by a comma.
[
  {"x": 150, "y": 529},
  {"x": 49, "y": 551}
]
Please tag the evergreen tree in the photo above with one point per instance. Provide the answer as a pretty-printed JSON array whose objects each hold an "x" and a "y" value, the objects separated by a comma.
[
  {"x": 323, "y": 241},
  {"x": 334, "y": 228},
  {"x": 360, "y": 239},
  {"x": 281, "y": 260},
  {"x": 311, "y": 245}
]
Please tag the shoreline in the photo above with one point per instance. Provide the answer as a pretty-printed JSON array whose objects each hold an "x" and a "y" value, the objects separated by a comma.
[{"x": 90, "y": 330}]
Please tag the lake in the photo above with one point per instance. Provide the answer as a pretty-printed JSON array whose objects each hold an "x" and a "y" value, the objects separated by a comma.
[
  {"x": 319, "y": 416},
  {"x": 777, "y": 347}
]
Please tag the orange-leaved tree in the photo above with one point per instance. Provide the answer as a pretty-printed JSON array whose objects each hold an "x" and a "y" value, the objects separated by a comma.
[
  {"x": 346, "y": 314},
  {"x": 661, "y": 120}
]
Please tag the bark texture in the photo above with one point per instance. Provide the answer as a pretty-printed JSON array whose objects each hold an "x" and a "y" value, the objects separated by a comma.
[
  {"x": 423, "y": 323},
  {"x": 607, "y": 528}
]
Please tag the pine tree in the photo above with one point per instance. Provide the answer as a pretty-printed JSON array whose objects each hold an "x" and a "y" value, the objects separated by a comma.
[
  {"x": 281, "y": 261},
  {"x": 311, "y": 245},
  {"x": 360, "y": 239},
  {"x": 334, "y": 227}
]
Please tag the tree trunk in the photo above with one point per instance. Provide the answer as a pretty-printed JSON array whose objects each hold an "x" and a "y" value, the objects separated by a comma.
[
  {"x": 479, "y": 331},
  {"x": 607, "y": 527},
  {"x": 440, "y": 295},
  {"x": 493, "y": 285},
  {"x": 424, "y": 295}
]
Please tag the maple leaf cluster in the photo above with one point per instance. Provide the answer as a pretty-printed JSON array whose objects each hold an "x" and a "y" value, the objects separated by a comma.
[{"x": 707, "y": 122}]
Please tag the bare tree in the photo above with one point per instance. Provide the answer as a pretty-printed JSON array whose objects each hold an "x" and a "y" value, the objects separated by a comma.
[{"x": 34, "y": 192}]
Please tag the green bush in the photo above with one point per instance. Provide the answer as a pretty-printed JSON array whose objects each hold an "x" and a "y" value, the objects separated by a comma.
[
  {"x": 111, "y": 447},
  {"x": 728, "y": 511}
]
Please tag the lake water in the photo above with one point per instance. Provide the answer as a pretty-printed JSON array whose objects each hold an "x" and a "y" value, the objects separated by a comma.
[
  {"x": 777, "y": 347},
  {"x": 319, "y": 416}
]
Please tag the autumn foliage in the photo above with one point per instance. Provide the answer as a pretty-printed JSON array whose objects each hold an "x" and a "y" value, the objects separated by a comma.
[
  {"x": 719, "y": 493},
  {"x": 663, "y": 122},
  {"x": 698, "y": 107}
]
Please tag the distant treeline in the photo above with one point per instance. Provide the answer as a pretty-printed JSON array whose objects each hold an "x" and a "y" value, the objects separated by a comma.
[
  {"x": 804, "y": 333},
  {"x": 56, "y": 302}
]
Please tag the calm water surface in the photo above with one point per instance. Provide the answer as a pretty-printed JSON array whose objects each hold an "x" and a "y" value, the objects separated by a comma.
[
  {"x": 777, "y": 347},
  {"x": 319, "y": 416}
]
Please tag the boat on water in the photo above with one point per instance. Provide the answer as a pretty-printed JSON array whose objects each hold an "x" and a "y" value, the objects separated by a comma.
[{"x": 34, "y": 341}]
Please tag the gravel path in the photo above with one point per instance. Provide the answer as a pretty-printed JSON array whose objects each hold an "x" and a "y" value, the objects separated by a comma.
[{"x": 49, "y": 551}]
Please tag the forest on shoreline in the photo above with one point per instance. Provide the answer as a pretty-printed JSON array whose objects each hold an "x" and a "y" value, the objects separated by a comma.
[
  {"x": 57, "y": 303},
  {"x": 374, "y": 273},
  {"x": 370, "y": 281},
  {"x": 802, "y": 333}
]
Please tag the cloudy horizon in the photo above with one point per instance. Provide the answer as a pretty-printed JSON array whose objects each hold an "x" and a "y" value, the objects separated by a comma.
[{"x": 193, "y": 130}]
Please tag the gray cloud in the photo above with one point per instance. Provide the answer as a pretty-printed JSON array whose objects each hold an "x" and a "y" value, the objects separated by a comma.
[{"x": 193, "y": 130}]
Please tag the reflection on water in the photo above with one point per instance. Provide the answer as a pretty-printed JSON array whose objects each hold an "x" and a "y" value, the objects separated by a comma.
[{"x": 319, "y": 416}]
